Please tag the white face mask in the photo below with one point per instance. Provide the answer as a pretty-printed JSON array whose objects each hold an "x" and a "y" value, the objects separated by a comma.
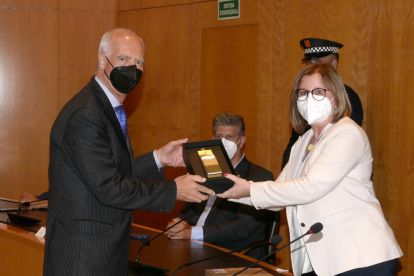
[
  {"x": 230, "y": 146},
  {"x": 314, "y": 111}
]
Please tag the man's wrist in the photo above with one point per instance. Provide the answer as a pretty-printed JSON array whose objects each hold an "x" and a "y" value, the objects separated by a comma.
[
  {"x": 157, "y": 160},
  {"x": 197, "y": 233}
]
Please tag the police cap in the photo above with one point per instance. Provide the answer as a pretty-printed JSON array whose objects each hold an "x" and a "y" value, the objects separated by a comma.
[{"x": 316, "y": 48}]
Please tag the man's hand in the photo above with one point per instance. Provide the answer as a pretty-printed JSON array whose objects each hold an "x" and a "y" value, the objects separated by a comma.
[
  {"x": 172, "y": 154},
  {"x": 181, "y": 231},
  {"x": 188, "y": 190},
  {"x": 26, "y": 197},
  {"x": 34, "y": 202},
  {"x": 42, "y": 204},
  {"x": 241, "y": 188}
]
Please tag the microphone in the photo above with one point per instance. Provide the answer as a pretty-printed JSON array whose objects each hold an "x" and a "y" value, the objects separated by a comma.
[
  {"x": 273, "y": 240},
  {"x": 25, "y": 204},
  {"x": 189, "y": 215},
  {"x": 19, "y": 219},
  {"x": 20, "y": 207},
  {"x": 137, "y": 268},
  {"x": 314, "y": 229}
]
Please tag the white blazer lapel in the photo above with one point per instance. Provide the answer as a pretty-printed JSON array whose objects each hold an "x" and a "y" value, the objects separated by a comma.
[
  {"x": 322, "y": 136},
  {"x": 297, "y": 153}
]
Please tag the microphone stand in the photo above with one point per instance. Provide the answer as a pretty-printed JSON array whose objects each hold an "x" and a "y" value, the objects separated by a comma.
[
  {"x": 148, "y": 242},
  {"x": 268, "y": 255},
  {"x": 316, "y": 228},
  {"x": 21, "y": 220},
  {"x": 138, "y": 268}
]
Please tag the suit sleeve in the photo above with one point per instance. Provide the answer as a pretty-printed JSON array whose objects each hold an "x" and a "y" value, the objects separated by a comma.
[
  {"x": 187, "y": 207},
  {"x": 145, "y": 167},
  {"x": 357, "y": 114},
  {"x": 43, "y": 196},
  {"x": 87, "y": 148},
  {"x": 286, "y": 153},
  {"x": 247, "y": 220}
]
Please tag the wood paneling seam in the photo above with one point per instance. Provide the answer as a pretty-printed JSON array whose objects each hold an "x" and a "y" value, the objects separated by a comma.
[{"x": 33, "y": 9}]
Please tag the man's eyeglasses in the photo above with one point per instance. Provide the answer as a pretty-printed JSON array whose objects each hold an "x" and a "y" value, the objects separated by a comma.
[{"x": 318, "y": 94}]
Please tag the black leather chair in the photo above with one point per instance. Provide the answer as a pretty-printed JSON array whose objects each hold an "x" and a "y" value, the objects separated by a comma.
[{"x": 272, "y": 228}]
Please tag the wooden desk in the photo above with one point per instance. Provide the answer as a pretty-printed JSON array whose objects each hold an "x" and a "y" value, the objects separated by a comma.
[
  {"x": 21, "y": 253},
  {"x": 170, "y": 254}
]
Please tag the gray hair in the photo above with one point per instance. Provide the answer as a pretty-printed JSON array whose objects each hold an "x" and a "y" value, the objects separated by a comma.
[
  {"x": 229, "y": 119},
  {"x": 105, "y": 44}
]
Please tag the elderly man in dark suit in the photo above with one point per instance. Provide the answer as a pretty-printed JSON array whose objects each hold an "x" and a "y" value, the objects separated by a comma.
[
  {"x": 95, "y": 182},
  {"x": 219, "y": 221}
]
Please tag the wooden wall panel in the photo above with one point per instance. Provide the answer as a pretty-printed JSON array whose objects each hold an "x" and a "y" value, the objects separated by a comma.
[
  {"x": 203, "y": 17},
  {"x": 28, "y": 97},
  {"x": 354, "y": 64},
  {"x": 80, "y": 33},
  {"x": 162, "y": 107},
  {"x": 29, "y": 4},
  {"x": 229, "y": 76},
  {"x": 390, "y": 120},
  {"x": 47, "y": 55},
  {"x": 127, "y": 5},
  {"x": 88, "y": 5}
]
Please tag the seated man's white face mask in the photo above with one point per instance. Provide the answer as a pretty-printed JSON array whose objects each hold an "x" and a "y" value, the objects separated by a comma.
[{"x": 230, "y": 146}]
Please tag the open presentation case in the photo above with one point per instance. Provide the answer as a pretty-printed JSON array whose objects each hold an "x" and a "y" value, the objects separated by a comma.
[{"x": 209, "y": 159}]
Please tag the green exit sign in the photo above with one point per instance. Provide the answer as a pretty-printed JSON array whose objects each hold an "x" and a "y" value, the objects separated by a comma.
[{"x": 228, "y": 9}]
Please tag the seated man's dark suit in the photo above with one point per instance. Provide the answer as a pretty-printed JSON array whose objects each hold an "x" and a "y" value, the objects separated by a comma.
[
  {"x": 232, "y": 225},
  {"x": 94, "y": 185}
]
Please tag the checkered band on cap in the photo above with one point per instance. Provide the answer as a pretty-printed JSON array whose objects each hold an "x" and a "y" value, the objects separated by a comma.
[{"x": 321, "y": 50}]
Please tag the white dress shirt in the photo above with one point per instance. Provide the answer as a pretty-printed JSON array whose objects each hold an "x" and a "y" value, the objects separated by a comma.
[{"x": 197, "y": 231}]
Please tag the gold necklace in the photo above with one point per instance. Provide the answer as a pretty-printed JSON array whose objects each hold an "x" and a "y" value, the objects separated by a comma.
[{"x": 311, "y": 146}]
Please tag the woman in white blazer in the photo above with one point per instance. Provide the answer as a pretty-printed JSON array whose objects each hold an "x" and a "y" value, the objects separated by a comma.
[{"x": 327, "y": 180}]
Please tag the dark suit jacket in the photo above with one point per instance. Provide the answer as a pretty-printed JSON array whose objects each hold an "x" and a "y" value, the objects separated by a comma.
[
  {"x": 357, "y": 116},
  {"x": 232, "y": 225},
  {"x": 94, "y": 185}
]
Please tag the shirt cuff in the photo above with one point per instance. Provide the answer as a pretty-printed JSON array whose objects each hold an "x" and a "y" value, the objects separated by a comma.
[
  {"x": 197, "y": 233},
  {"x": 159, "y": 165}
]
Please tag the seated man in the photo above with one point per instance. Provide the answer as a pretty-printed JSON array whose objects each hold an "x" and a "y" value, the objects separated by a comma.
[{"x": 221, "y": 222}]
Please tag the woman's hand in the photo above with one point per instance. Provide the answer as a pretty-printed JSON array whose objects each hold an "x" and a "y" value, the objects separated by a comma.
[{"x": 241, "y": 188}]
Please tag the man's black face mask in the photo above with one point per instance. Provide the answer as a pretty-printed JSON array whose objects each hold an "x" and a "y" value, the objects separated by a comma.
[{"x": 124, "y": 78}]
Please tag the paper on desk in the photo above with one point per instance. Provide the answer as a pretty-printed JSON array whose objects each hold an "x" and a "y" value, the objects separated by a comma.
[
  {"x": 42, "y": 232},
  {"x": 281, "y": 270}
]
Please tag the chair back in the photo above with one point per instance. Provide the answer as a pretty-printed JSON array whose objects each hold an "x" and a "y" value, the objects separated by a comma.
[{"x": 272, "y": 228}]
